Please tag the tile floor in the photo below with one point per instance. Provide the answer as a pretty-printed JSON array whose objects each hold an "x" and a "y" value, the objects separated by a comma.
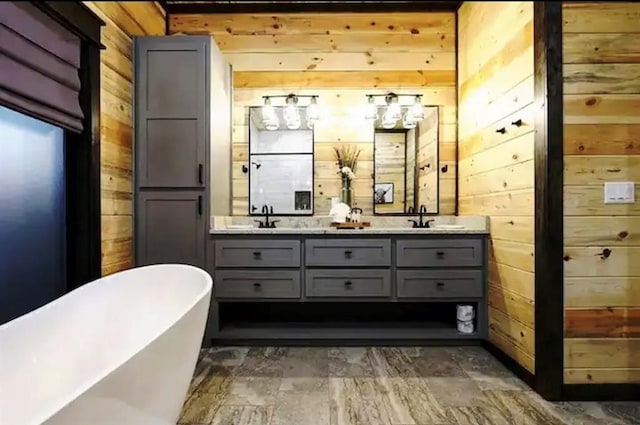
[{"x": 374, "y": 386}]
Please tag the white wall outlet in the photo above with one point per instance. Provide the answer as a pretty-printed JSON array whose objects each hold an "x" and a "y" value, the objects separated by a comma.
[{"x": 619, "y": 193}]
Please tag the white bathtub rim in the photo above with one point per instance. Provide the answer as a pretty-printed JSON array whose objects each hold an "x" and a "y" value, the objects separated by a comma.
[
  {"x": 105, "y": 279},
  {"x": 70, "y": 396}
]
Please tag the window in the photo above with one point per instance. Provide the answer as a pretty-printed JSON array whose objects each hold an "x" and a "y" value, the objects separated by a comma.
[{"x": 32, "y": 214}]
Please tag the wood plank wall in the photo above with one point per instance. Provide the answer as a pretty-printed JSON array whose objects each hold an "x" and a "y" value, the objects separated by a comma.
[
  {"x": 341, "y": 58},
  {"x": 495, "y": 89},
  {"x": 123, "y": 20},
  {"x": 601, "y": 143}
]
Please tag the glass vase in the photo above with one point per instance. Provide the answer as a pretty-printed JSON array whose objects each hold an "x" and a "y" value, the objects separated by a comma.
[{"x": 346, "y": 193}]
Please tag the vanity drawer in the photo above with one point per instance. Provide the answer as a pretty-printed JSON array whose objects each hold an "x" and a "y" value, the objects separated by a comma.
[
  {"x": 439, "y": 284},
  {"x": 439, "y": 253},
  {"x": 348, "y": 283},
  {"x": 257, "y": 253},
  {"x": 348, "y": 252},
  {"x": 257, "y": 284}
]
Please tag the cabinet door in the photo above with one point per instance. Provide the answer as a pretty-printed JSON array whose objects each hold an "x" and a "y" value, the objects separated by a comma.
[
  {"x": 170, "y": 228},
  {"x": 171, "y": 89}
]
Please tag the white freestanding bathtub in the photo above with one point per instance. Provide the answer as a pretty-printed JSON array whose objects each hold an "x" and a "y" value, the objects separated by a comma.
[{"x": 118, "y": 351}]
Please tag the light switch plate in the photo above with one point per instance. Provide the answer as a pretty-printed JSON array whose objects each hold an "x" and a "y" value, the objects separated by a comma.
[{"x": 619, "y": 193}]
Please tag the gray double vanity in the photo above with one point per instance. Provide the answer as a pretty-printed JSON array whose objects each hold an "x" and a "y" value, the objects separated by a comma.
[
  {"x": 372, "y": 284},
  {"x": 301, "y": 280}
]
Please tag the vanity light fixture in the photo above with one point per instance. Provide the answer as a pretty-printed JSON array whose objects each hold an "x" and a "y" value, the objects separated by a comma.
[
  {"x": 393, "y": 107},
  {"x": 291, "y": 114},
  {"x": 389, "y": 120},
  {"x": 313, "y": 112},
  {"x": 408, "y": 120},
  {"x": 371, "y": 111},
  {"x": 413, "y": 113},
  {"x": 269, "y": 117},
  {"x": 417, "y": 111}
]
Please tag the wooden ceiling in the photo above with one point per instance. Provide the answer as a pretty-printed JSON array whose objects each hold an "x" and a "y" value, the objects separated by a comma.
[{"x": 177, "y": 7}]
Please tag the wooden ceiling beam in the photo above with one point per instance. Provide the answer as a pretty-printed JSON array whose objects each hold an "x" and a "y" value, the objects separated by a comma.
[{"x": 310, "y": 7}]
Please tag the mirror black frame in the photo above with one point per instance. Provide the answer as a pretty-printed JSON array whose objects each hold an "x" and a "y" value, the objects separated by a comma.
[
  {"x": 416, "y": 188},
  {"x": 415, "y": 173},
  {"x": 256, "y": 110}
]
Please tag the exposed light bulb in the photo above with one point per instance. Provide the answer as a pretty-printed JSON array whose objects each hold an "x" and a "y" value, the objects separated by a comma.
[
  {"x": 393, "y": 107},
  {"x": 408, "y": 120},
  {"x": 268, "y": 112},
  {"x": 271, "y": 125},
  {"x": 395, "y": 111},
  {"x": 313, "y": 111},
  {"x": 293, "y": 123},
  {"x": 371, "y": 111},
  {"x": 291, "y": 113},
  {"x": 388, "y": 120},
  {"x": 417, "y": 110},
  {"x": 269, "y": 116}
]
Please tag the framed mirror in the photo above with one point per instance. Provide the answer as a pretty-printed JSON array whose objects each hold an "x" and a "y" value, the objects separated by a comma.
[
  {"x": 406, "y": 167},
  {"x": 280, "y": 166}
]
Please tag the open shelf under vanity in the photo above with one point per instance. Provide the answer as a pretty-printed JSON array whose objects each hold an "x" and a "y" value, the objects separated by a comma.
[{"x": 341, "y": 321}]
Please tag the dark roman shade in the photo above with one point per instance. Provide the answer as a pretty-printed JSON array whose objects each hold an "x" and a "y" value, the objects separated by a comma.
[{"x": 39, "y": 61}]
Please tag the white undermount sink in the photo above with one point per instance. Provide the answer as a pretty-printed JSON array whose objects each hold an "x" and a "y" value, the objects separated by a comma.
[{"x": 448, "y": 226}]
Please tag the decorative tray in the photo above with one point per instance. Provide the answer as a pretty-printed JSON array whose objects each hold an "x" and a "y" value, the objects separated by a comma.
[{"x": 352, "y": 225}]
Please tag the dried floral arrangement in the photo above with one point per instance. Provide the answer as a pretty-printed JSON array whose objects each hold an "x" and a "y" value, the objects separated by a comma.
[{"x": 347, "y": 159}]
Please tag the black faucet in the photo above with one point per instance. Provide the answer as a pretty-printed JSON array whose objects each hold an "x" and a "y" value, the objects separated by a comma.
[
  {"x": 422, "y": 223},
  {"x": 266, "y": 224}
]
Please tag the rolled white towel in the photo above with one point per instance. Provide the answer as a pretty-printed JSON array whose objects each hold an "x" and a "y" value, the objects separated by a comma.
[{"x": 465, "y": 312}]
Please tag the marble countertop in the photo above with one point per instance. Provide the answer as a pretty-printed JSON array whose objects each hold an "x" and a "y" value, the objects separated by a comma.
[
  {"x": 334, "y": 231},
  {"x": 380, "y": 225}
]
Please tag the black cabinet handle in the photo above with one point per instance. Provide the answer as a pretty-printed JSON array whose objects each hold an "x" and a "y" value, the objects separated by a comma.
[
  {"x": 517, "y": 123},
  {"x": 256, "y": 285},
  {"x": 348, "y": 253},
  {"x": 348, "y": 283},
  {"x": 440, "y": 254},
  {"x": 200, "y": 205},
  {"x": 257, "y": 254},
  {"x": 440, "y": 284},
  {"x": 501, "y": 130},
  {"x": 200, "y": 174}
]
